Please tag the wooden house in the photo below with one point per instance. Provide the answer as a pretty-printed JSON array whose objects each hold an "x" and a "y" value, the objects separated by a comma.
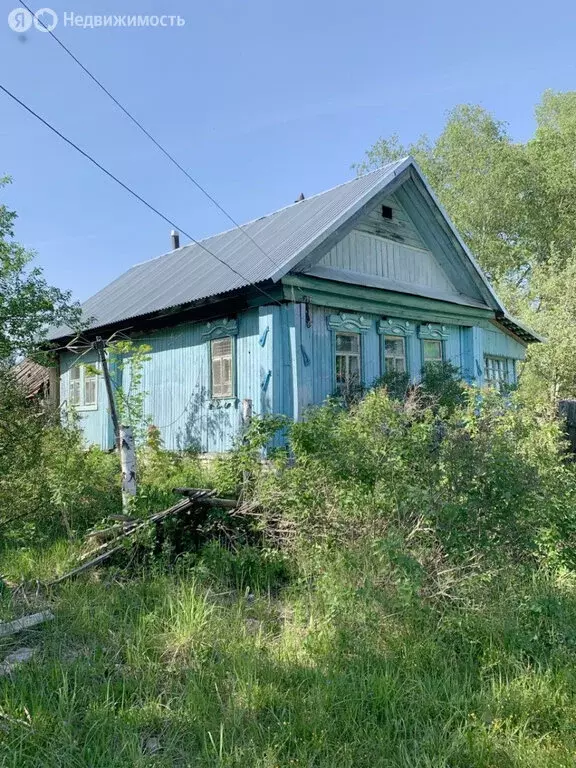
[{"x": 333, "y": 290}]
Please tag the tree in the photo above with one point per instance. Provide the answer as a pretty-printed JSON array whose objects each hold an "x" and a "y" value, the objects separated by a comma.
[
  {"x": 28, "y": 305},
  {"x": 515, "y": 205},
  {"x": 486, "y": 183}
]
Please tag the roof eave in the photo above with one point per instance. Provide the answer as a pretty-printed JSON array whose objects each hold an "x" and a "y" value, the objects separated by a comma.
[
  {"x": 519, "y": 329},
  {"x": 487, "y": 288}
]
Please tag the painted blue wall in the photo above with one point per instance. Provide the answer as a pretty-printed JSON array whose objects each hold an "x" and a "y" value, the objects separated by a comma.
[
  {"x": 95, "y": 422},
  {"x": 284, "y": 364}
]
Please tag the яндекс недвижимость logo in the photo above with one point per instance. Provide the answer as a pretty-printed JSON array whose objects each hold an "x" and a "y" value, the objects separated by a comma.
[{"x": 21, "y": 19}]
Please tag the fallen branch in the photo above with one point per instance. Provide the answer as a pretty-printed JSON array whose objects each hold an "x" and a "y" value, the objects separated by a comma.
[
  {"x": 85, "y": 566},
  {"x": 12, "y": 627},
  {"x": 129, "y": 530},
  {"x": 208, "y": 498}
]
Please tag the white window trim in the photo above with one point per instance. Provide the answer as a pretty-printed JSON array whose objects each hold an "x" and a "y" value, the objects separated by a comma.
[
  {"x": 499, "y": 364},
  {"x": 347, "y": 355},
  {"x": 81, "y": 406},
  {"x": 231, "y": 396},
  {"x": 395, "y": 357},
  {"x": 442, "y": 352}
]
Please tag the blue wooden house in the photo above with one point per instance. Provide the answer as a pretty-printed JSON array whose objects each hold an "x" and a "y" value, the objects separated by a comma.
[{"x": 334, "y": 290}]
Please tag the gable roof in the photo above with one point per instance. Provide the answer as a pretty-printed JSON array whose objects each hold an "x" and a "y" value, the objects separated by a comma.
[{"x": 288, "y": 236}]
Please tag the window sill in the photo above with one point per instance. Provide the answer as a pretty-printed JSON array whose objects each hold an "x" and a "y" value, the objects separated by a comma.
[{"x": 81, "y": 408}]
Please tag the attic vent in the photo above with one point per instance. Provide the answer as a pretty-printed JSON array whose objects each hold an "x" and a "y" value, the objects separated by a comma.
[{"x": 386, "y": 212}]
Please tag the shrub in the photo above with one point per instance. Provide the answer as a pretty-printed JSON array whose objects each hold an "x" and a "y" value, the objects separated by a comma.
[
  {"x": 483, "y": 476},
  {"x": 48, "y": 481}
]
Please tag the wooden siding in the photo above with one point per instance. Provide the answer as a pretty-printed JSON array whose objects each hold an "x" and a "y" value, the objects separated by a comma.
[
  {"x": 399, "y": 228},
  {"x": 316, "y": 376},
  {"x": 284, "y": 363},
  {"x": 176, "y": 380},
  {"x": 370, "y": 254},
  {"x": 500, "y": 344},
  {"x": 95, "y": 423}
]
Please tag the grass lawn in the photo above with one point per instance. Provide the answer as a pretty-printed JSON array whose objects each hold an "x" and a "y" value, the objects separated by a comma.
[{"x": 198, "y": 668}]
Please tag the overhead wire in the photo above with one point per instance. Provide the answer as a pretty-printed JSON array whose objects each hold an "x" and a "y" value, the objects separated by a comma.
[
  {"x": 155, "y": 141},
  {"x": 135, "y": 194}
]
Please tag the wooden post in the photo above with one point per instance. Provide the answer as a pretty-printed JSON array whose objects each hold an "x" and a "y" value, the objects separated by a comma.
[
  {"x": 128, "y": 465},
  {"x": 100, "y": 347}
]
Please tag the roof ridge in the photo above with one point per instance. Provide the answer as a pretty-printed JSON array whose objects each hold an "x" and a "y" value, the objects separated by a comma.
[{"x": 204, "y": 240}]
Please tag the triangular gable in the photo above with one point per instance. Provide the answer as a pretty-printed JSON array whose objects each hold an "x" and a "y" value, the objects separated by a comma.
[{"x": 448, "y": 268}]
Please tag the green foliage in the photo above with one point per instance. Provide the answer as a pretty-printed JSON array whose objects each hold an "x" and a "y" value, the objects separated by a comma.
[
  {"x": 82, "y": 486},
  {"x": 129, "y": 359},
  {"x": 481, "y": 473},
  {"x": 485, "y": 181},
  {"x": 442, "y": 386},
  {"x": 515, "y": 205},
  {"x": 236, "y": 469},
  {"x": 48, "y": 481},
  {"x": 397, "y": 384},
  {"x": 420, "y": 611},
  {"x": 28, "y": 305}
]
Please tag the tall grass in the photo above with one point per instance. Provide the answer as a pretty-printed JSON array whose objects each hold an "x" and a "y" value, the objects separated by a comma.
[
  {"x": 422, "y": 612},
  {"x": 172, "y": 670}
]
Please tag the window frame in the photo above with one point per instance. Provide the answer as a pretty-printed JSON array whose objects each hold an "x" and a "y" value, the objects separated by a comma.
[
  {"x": 211, "y": 342},
  {"x": 83, "y": 377},
  {"x": 341, "y": 388},
  {"x": 442, "y": 358},
  {"x": 498, "y": 361},
  {"x": 395, "y": 337}
]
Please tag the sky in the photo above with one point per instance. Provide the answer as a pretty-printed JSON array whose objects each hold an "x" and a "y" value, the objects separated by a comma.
[{"x": 259, "y": 101}]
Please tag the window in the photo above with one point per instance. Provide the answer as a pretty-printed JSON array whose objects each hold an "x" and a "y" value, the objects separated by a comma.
[
  {"x": 386, "y": 212},
  {"x": 222, "y": 367},
  {"x": 496, "y": 371},
  {"x": 83, "y": 391},
  {"x": 347, "y": 361},
  {"x": 395, "y": 354},
  {"x": 432, "y": 351}
]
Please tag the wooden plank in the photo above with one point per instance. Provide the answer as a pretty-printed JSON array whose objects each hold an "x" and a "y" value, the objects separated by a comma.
[
  {"x": 25, "y": 622},
  {"x": 14, "y": 660},
  {"x": 378, "y": 301}
]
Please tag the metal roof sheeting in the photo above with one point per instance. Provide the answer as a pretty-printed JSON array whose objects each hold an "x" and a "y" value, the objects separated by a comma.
[{"x": 190, "y": 273}]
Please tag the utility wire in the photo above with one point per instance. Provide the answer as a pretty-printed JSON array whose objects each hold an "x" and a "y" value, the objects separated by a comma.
[
  {"x": 155, "y": 141},
  {"x": 135, "y": 194}
]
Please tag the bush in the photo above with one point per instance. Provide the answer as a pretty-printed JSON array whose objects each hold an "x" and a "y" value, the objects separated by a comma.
[
  {"x": 483, "y": 476},
  {"x": 49, "y": 483}
]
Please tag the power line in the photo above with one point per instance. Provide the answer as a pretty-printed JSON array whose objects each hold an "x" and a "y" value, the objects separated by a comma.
[
  {"x": 155, "y": 141},
  {"x": 134, "y": 194}
]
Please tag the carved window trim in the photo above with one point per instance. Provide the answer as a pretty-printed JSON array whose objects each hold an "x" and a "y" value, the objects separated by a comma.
[
  {"x": 217, "y": 329},
  {"x": 344, "y": 322}
]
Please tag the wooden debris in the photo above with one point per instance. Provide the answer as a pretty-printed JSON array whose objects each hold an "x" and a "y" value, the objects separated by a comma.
[
  {"x": 26, "y": 622},
  {"x": 14, "y": 660},
  {"x": 192, "y": 491},
  {"x": 85, "y": 566},
  {"x": 105, "y": 533},
  {"x": 128, "y": 530},
  {"x": 210, "y": 500},
  {"x": 123, "y": 518}
]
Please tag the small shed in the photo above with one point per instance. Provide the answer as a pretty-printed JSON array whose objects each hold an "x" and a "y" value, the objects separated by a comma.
[{"x": 33, "y": 378}]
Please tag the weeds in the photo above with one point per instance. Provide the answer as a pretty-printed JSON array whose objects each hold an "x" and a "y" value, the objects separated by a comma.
[{"x": 411, "y": 602}]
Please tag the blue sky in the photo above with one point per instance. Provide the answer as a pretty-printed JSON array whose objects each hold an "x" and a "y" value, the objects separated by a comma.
[{"x": 260, "y": 101}]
